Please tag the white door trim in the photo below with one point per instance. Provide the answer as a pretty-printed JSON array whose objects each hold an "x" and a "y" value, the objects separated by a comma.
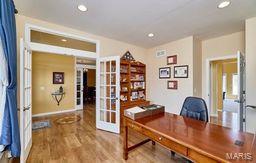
[
  {"x": 208, "y": 78},
  {"x": 58, "y": 50}
]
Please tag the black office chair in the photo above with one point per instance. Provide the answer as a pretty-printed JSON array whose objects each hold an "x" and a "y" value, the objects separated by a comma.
[{"x": 194, "y": 107}]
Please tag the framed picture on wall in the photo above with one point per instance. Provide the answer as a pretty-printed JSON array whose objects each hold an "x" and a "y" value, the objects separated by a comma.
[
  {"x": 172, "y": 84},
  {"x": 164, "y": 73},
  {"x": 181, "y": 71},
  {"x": 172, "y": 60},
  {"x": 58, "y": 77}
]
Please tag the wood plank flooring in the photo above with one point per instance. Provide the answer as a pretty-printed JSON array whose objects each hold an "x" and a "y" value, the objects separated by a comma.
[{"x": 82, "y": 142}]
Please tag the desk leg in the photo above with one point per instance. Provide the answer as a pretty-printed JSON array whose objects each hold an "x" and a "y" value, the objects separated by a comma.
[{"x": 125, "y": 154}]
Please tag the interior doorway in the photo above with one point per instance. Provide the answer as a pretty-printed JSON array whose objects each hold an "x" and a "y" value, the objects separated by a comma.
[
  {"x": 85, "y": 83},
  {"x": 224, "y": 92}
]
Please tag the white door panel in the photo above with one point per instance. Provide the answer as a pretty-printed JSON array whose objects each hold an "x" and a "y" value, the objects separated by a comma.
[
  {"x": 79, "y": 88},
  {"x": 241, "y": 90},
  {"x": 108, "y": 92},
  {"x": 25, "y": 100}
]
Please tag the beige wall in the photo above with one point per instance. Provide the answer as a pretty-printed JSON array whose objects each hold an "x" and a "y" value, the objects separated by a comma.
[
  {"x": 219, "y": 47},
  {"x": 250, "y": 73},
  {"x": 157, "y": 91},
  {"x": 197, "y": 68},
  {"x": 108, "y": 47},
  {"x": 229, "y": 69},
  {"x": 43, "y": 65}
]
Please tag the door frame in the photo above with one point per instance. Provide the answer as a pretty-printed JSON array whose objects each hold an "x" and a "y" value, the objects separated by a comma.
[
  {"x": 77, "y": 66},
  {"x": 57, "y": 50},
  {"x": 61, "y": 50},
  {"x": 208, "y": 79}
]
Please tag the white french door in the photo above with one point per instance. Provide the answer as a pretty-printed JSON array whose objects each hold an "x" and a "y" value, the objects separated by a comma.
[
  {"x": 241, "y": 91},
  {"x": 79, "y": 88},
  {"x": 25, "y": 100},
  {"x": 108, "y": 92}
]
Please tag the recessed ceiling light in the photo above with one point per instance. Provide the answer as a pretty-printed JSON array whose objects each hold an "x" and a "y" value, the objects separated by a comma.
[
  {"x": 82, "y": 8},
  {"x": 151, "y": 35},
  {"x": 64, "y": 40},
  {"x": 224, "y": 4}
]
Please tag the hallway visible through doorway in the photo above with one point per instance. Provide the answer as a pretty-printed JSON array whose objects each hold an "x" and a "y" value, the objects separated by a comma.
[{"x": 224, "y": 92}]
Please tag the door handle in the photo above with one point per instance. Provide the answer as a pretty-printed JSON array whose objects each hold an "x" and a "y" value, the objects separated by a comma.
[
  {"x": 251, "y": 106},
  {"x": 24, "y": 109},
  {"x": 237, "y": 101}
]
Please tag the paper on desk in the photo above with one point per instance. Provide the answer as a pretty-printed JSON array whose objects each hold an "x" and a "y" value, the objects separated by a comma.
[{"x": 134, "y": 110}]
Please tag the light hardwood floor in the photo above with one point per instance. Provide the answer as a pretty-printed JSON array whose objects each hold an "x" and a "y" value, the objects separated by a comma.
[{"x": 82, "y": 142}]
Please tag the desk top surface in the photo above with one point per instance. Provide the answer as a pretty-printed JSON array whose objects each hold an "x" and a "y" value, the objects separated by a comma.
[{"x": 210, "y": 139}]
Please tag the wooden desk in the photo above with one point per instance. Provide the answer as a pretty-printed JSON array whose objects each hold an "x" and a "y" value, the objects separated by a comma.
[{"x": 195, "y": 140}]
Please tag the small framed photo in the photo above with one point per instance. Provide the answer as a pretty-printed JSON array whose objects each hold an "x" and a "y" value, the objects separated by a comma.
[
  {"x": 58, "y": 78},
  {"x": 181, "y": 71},
  {"x": 172, "y": 84},
  {"x": 164, "y": 73},
  {"x": 171, "y": 60}
]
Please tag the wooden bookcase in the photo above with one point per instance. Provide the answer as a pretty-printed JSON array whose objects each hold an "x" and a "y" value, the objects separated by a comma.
[{"x": 132, "y": 85}]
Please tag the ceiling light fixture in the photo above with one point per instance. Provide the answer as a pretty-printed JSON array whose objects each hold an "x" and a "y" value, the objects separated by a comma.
[
  {"x": 224, "y": 4},
  {"x": 64, "y": 40},
  {"x": 151, "y": 35},
  {"x": 82, "y": 8}
]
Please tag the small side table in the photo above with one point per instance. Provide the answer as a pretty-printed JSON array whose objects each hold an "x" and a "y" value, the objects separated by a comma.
[{"x": 58, "y": 96}]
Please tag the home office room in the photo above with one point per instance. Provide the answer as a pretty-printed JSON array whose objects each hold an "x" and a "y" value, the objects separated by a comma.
[{"x": 127, "y": 81}]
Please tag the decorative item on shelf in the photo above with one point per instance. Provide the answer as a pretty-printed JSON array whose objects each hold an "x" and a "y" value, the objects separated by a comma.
[
  {"x": 124, "y": 89},
  {"x": 181, "y": 71},
  {"x": 58, "y": 95},
  {"x": 58, "y": 78},
  {"x": 123, "y": 78},
  {"x": 123, "y": 98},
  {"x": 127, "y": 56},
  {"x": 124, "y": 69},
  {"x": 164, "y": 73},
  {"x": 172, "y": 84},
  {"x": 134, "y": 96},
  {"x": 138, "y": 85},
  {"x": 141, "y": 95},
  {"x": 172, "y": 60}
]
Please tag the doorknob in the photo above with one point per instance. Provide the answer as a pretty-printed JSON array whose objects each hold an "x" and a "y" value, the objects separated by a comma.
[
  {"x": 26, "y": 108},
  {"x": 251, "y": 106},
  {"x": 238, "y": 101}
]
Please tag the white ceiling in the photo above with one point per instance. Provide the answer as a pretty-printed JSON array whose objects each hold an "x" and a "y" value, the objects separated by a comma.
[{"x": 131, "y": 20}]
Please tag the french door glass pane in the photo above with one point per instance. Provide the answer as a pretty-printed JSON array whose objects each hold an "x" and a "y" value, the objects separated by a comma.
[{"x": 113, "y": 66}]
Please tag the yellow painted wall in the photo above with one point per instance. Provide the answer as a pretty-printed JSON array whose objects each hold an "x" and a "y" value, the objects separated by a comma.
[
  {"x": 43, "y": 66},
  {"x": 230, "y": 69},
  {"x": 216, "y": 86}
]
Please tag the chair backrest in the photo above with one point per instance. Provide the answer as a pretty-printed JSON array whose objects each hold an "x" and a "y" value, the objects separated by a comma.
[{"x": 194, "y": 107}]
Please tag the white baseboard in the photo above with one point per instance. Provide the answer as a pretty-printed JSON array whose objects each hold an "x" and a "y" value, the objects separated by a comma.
[{"x": 56, "y": 112}]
